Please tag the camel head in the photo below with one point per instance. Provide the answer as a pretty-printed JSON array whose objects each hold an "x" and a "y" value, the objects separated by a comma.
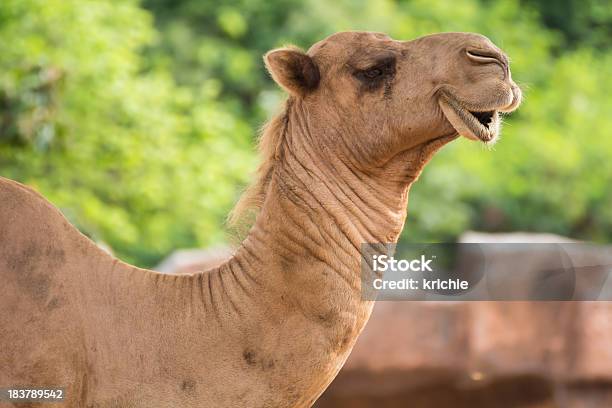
[{"x": 389, "y": 96}]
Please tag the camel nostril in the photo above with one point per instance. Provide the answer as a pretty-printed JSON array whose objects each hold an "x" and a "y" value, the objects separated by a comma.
[{"x": 484, "y": 56}]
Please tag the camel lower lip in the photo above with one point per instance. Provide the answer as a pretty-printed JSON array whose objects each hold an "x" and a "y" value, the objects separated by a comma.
[{"x": 480, "y": 125}]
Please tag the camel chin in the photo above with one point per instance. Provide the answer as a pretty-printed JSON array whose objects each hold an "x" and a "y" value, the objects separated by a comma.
[{"x": 481, "y": 126}]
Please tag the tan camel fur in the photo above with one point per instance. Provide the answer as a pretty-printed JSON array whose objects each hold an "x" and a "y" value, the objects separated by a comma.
[{"x": 272, "y": 326}]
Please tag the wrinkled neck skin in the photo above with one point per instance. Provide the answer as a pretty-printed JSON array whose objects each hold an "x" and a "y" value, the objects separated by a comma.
[
  {"x": 278, "y": 319},
  {"x": 322, "y": 204},
  {"x": 304, "y": 248}
]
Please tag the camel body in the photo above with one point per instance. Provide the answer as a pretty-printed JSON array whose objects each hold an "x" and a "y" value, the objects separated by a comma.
[
  {"x": 118, "y": 336},
  {"x": 273, "y": 325}
]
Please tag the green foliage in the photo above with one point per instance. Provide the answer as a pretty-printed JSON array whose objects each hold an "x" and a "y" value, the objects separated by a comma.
[
  {"x": 581, "y": 22},
  {"x": 137, "y": 120},
  {"x": 130, "y": 157}
]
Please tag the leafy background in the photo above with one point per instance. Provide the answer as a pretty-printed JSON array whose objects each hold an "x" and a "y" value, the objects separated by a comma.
[{"x": 138, "y": 118}]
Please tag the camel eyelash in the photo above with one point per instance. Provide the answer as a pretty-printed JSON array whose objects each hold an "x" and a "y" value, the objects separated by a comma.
[{"x": 376, "y": 72}]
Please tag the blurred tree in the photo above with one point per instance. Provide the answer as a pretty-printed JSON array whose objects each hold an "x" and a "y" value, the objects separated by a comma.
[
  {"x": 582, "y": 22},
  {"x": 131, "y": 158}
]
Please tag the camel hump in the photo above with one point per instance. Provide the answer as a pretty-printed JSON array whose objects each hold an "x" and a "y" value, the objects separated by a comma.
[
  {"x": 35, "y": 238},
  {"x": 23, "y": 210},
  {"x": 8, "y": 187}
]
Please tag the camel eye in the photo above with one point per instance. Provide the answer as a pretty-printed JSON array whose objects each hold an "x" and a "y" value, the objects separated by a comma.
[
  {"x": 373, "y": 73},
  {"x": 375, "y": 76}
]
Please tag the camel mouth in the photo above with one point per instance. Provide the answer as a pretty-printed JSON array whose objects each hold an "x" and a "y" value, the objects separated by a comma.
[
  {"x": 485, "y": 118},
  {"x": 482, "y": 125}
]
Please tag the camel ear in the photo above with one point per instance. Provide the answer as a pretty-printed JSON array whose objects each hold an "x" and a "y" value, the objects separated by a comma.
[{"x": 293, "y": 70}]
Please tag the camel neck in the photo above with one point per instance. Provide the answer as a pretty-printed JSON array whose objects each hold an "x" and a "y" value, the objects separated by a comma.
[
  {"x": 297, "y": 274},
  {"x": 318, "y": 211},
  {"x": 320, "y": 205},
  {"x": 320, "y": 176}
]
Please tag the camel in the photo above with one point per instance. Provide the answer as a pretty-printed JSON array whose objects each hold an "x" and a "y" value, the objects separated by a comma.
[{"x": 273, "y": 325}]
